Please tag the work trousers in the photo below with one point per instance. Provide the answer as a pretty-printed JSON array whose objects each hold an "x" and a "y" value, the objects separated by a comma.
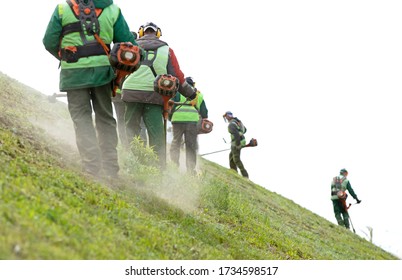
[
  {"x": 190, "y": 133},
  {"x": 153, "y": 120},
  {"x": 341, "y": 214},
  {"x": 120, "y": 108},
  {"x": 97, "y": 141},
  {"x": 235, "y": 161}
]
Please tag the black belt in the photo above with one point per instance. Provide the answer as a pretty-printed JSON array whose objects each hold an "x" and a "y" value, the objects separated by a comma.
[{"x": 74, "y": 54}]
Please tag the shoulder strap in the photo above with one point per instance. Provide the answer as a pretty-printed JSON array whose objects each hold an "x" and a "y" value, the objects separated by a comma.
[
  {"x": 87, "y": 14},
  {"x": 88, "y": 24},
  {"x": 150, "y": 62},
  {"x": 88, "y": 18},
  {"x": 338, "y": 181}
]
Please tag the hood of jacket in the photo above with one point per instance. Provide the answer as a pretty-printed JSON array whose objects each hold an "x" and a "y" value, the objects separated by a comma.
[{"x": 101, "y": 4}]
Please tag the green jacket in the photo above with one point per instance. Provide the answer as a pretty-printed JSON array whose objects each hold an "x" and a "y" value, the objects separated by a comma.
[{"x": 87, "y": 71}]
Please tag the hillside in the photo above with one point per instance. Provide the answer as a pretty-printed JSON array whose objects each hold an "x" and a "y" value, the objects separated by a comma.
[{"x": 50, "y": 210}]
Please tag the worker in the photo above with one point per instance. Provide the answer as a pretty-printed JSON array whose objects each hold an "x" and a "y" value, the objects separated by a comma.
[
  {"x": 236, "y": 129},
  {"x": 86, "y": 75},
  {"x": 185, "y": 117},
  {"x": 138, "y": 89},
  {"x": 120, "y": 109},
  {"x": 340, "y": 184}
]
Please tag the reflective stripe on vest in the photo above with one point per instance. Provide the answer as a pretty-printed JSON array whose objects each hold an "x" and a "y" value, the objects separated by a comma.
[
  {"x": 186, "y": 113},
  {"x": 143, "y": 79},
  {"x": 107, "y": 19}
]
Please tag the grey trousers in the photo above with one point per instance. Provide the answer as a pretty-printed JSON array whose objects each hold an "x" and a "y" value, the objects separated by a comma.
[
  {"x": 190, "y": 133},
  {"x": 96, "y": 138},
  {"x": 235, "y": 161}
]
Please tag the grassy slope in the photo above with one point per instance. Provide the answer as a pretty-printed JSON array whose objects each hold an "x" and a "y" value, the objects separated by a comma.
[{"x": 50, "y": 210}]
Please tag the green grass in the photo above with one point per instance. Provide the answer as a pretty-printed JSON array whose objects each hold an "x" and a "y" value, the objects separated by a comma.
[{"x": 50, "y": 210}]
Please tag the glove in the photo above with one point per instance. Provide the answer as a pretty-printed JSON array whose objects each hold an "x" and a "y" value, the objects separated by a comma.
[{"x": 358, "y": 201}]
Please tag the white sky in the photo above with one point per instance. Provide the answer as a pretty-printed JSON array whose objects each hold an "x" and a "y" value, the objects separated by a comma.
[{"x": 316, "y": 82}]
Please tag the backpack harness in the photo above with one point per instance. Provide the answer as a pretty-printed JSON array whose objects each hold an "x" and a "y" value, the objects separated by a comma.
[
  {"x": 203, "y": 125},
  {"x": 88, "y": 25},
  {"x": 124, "y": 57},
  {"x": 337, "y": 185},
  {"x": 339, "y": 192},
  {"x": 150, "y": 62}
]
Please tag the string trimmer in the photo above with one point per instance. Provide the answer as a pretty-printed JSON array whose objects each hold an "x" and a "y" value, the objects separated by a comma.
[{"x": 252, "y": 143}]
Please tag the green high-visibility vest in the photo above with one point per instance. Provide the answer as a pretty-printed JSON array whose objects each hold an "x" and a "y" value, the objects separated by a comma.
[
  {"x": 186, "y": 112},
  {"x": 107, "y": 19},
  {"x": 143, "y": 79},
  {"x": 242, "y": 129}
]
